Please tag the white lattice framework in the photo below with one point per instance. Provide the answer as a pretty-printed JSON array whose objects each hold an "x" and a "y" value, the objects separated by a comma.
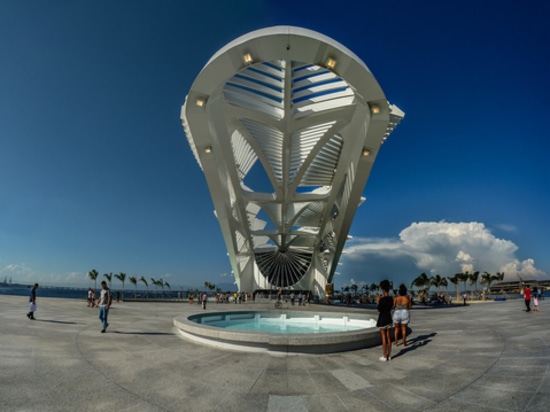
[{"x": 286, "y": 124}]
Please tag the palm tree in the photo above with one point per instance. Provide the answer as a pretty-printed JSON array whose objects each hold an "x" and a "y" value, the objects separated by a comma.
[
  {"x": 155, "y": 283},
  {"x": 499, "y": 277},
  {"x": 133, "y": 280},
  {"x": 487, "y": 279},
  {"x": 167, "y": 285},
  {"x": 109, "y": 278},
  {"x": 454, "y": 280},
  {"x": 474, "y": 277},
  {"x": 463, "y": 277},
  {"x": 93, "y": 274},
  {"x": 122, "y": 277},
  {"x": 354, "y": 289},
  {"x": 421, "y": 282},
  {"x": 160, "y": 282},
  {"x": 438, "y": 281},
  {"x": 373, "y": 288},
  {"x": 142, "y": 279}
]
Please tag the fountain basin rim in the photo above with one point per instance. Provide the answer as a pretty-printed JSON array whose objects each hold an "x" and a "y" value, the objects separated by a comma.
[{"x": 298, "y": 342}]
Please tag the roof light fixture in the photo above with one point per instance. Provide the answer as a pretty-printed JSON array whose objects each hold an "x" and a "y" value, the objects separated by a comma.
[
  {"x": 247, "y": 58},
  {"x": 200, "y": 102},
  {"x": 330, "y": 63},
  {"x": 366, "y": 152},
  {"x": 375, "y": 109},
  {"x": 208, "y": 149}
]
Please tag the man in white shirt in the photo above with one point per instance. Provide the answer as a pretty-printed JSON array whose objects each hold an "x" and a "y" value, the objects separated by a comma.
[{"x": 104, "y": 305}]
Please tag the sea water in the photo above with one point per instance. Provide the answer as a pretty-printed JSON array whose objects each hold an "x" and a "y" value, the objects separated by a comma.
[{"x": 78, "y": 293}]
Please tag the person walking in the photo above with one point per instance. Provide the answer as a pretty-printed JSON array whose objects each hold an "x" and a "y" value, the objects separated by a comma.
[
  {"x": 204, "y": 299},
  {"x": 105, "y": 299},
  {"x": 527, "y": 296},
  {"x": 32, "y": 302},
  {"x": 401, "y": 316},
  {"x": 384, "y": 323},
  {"x": 90, "y": 298}
]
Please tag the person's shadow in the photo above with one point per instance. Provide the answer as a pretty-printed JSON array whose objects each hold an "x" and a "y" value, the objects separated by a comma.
[
  {"x": 414, "y": 343},
  {"x": 143, "y": 333},
  {"x": 56, "y": 321}
]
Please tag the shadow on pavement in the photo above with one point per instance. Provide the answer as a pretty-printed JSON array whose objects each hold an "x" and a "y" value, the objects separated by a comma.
[
  {"x": 413, "y": 344},
  {"x": 56, "y": 321},
  {"x": 143, "y": 333}
]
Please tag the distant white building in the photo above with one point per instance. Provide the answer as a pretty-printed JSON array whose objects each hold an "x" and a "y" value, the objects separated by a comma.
[{"x": 286, "y": 124}]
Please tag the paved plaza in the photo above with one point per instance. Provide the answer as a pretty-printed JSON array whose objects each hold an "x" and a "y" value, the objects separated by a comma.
[{"x": 480, "y": 357}]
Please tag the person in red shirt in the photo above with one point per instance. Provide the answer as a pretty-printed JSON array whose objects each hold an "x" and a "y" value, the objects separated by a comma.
[{"x": 527, "y": 296}]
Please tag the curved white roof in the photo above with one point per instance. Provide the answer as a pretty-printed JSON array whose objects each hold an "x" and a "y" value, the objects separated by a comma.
[{"x": 286, "y": 124}]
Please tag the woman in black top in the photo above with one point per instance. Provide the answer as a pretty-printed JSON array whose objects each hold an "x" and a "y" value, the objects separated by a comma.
[{"x": 385, "y": 305}]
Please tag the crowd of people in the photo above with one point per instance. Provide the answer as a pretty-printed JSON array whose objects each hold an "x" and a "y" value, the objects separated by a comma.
[{"x": 299, "y": 298}]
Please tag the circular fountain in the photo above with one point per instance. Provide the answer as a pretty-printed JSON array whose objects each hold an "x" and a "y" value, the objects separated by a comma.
[{"x": 293, "y": 331}]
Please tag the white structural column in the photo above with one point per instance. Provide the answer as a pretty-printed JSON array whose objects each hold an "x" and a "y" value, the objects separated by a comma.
[{"x": 286, "y": 124}]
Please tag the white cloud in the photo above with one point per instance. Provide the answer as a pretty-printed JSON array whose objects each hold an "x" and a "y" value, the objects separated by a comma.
[
  {"x": 436, "y": 248},
  {"x": 23, "y": 274},
  {"x": 525, "y": 269},
  {"x": 16, "y": 272}
]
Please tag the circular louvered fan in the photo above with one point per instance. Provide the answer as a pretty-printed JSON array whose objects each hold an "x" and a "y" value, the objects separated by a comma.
[{"x": 283, "y": 269}]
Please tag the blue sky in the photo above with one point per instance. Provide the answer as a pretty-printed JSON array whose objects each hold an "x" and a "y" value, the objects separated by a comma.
[{"x": 96, "y": 173}]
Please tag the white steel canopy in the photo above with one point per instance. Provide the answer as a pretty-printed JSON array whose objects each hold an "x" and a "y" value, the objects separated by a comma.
[{"x": 286, "y": 124}]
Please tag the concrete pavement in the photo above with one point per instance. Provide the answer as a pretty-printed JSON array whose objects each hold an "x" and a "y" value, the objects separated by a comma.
[{"x": 481, "y": 357}]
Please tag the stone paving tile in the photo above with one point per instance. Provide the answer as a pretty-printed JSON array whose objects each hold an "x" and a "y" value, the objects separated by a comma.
[
  {"x": 544, "y": 386},
  {"x": 287, "y": 404},
  {"x": 513, "y": 400},
  {"x": 455, "y": 405},
  {"x": 326, "y": 383},
  {"x": 325, "y": 403},
  {"x": 509, "y": 382},
  {"x": 365, "y": 401},
  {"x": 272, "y": 382},
  {"x": 399, "y": 398},
  {"x": 538, "y": 403}
]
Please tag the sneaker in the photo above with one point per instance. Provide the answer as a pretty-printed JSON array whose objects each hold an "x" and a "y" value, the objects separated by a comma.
[
  {"x": 102, "y": 330},
  {"x": 389, "y": 358},
  {"x": 383, "y": 359},
  {"x": 29, "y": 315}
]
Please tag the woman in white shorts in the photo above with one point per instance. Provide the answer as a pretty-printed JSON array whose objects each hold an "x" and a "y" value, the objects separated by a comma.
[{"x": 401, "y": 315}]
